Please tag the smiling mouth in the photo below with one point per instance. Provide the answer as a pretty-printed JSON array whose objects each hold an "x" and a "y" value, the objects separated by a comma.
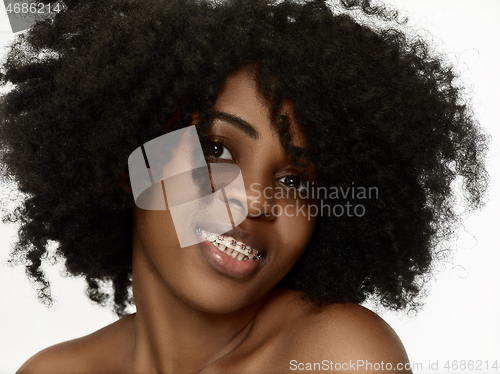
[{"x": 230, "y": 246}]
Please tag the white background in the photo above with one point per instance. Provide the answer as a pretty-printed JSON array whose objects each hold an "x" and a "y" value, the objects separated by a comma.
[{"x": 460, "y": 320}]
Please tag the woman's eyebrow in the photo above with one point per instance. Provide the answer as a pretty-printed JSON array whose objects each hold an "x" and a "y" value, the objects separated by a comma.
[{"x": 237, "y": 122}]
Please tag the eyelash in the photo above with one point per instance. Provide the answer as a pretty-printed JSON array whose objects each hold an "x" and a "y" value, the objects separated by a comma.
[{"x": 303, "y": 184}]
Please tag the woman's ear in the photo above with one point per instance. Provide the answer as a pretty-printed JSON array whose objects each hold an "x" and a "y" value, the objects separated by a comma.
[
  {"x": 124, "y": 183},
  {"x": 195, "y": 118}
]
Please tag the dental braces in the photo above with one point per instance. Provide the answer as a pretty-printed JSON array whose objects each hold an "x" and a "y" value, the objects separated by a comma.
[{"x": 221, "y": 239}]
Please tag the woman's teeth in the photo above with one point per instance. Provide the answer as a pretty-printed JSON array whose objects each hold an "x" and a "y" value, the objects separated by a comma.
[{"x": 230, "y": 246}]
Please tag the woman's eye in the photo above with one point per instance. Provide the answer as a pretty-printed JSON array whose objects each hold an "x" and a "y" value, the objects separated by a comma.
[
  {"x": 219, "y": 151},
  {"x": 293, "y": 181}
]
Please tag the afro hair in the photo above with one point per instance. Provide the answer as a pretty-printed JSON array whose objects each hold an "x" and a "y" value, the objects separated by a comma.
[{"x": 376, "y": 108}]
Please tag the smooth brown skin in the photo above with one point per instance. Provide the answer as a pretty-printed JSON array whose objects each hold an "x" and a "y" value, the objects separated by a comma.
[{"x": 192, "y": 319}]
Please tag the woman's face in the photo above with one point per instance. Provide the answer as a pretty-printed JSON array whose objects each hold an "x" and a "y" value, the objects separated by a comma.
[{"x": 277, "y": 226}]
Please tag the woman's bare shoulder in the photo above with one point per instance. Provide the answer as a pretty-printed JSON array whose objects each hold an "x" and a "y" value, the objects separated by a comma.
[
  {"x": 96, "y": 352},
  {"x": 341, "y": 334},
  {"x": 68, "y": 356}
]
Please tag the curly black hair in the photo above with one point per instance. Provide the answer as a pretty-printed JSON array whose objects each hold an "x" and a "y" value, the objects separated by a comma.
[{"x": 376, "y": 109}]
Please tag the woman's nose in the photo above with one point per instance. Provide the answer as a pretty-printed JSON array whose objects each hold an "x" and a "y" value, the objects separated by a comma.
[{"x": 251, "y": 195}]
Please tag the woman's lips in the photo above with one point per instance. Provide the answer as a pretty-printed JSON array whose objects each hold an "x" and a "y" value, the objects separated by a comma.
[{"x": 227, "y": 265}]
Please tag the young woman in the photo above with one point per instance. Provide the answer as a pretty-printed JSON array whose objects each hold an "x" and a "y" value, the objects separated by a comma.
[{"x": 299, "y": 97}]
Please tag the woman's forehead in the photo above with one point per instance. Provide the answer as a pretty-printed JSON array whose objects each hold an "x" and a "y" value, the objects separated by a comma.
[{"x": 240, "y": 97}]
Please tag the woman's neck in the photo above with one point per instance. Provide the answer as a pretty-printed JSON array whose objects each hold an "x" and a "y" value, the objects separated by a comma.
[{"x": 171, "y": 335}]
